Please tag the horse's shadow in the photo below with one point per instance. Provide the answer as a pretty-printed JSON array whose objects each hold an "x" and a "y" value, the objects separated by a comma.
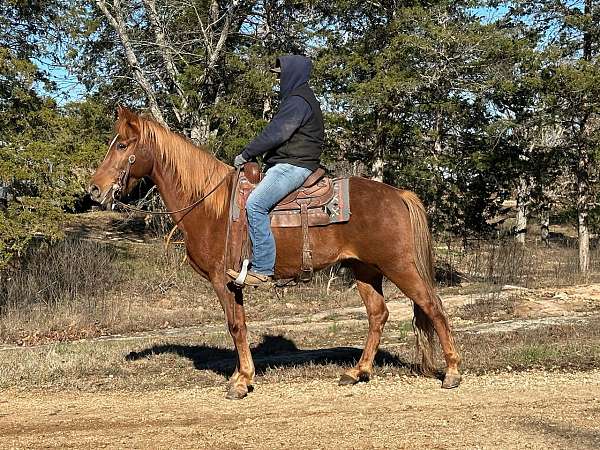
[{"x": 272, "y": 352}]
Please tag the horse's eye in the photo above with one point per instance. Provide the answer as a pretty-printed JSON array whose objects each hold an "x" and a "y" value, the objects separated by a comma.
[{"x": 121, "y": 146}]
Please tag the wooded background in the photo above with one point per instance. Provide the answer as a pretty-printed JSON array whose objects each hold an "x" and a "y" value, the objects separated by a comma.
[{"x": 467, "y": 103}]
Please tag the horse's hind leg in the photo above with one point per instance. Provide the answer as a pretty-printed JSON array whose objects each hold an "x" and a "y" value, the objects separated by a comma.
[
  {"x": 429, "y": 316},
  {"x": 369, "y": 283}
]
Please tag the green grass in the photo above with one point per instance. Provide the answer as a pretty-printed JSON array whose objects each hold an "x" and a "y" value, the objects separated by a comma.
[
  {"x": 559, "y": 355},
  {"x": 533, "y": 355}
]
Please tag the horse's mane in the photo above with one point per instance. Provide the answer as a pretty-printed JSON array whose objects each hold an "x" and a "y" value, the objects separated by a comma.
[{"x": 194, "y": 169}]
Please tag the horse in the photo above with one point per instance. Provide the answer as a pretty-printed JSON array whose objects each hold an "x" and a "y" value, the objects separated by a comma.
[{"x": 386, "y": 235}]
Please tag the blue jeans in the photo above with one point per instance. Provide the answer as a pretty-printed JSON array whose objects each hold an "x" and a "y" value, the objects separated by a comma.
[{"x": 279, "y": 181}]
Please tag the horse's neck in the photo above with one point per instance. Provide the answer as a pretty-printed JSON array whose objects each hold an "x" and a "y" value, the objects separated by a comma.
[
  {"x": 168, "y": 191},
  {"x": 166, "y": 181}
]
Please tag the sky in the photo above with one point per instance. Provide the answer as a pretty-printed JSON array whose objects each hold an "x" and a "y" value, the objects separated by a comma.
[{"x": 68, "y": 87}]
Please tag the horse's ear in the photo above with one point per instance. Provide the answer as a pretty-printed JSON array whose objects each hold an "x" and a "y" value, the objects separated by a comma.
[
  {"x": 124, "y": 113},
  {"x": 130, "y": 118}
]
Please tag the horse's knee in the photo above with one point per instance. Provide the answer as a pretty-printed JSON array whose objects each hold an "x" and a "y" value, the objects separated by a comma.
[
  {"x": 379, "y": 318},
  {"x": 236, "y": 328}
]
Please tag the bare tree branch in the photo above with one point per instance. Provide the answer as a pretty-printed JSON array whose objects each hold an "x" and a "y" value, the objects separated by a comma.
[
  {"x": 167, "y": 57},
  {"x": 118, "y": 23}
]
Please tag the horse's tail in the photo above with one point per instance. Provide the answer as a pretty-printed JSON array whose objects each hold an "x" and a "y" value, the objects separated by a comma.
[{"x": 422, "y": 324}]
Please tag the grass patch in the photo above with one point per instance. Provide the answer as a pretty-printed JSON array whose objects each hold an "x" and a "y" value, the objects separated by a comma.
[
  {"x": 572, "y": 347},
  {"x": 537, "y": 355},
  {"x": 489, "y": 308}
]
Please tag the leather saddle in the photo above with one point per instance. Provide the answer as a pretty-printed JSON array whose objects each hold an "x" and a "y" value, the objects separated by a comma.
[{"x": 315, "y": 192}]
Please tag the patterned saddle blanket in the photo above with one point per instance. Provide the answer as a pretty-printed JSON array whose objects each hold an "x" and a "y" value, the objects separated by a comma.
[{"x": 325, "y": 200}]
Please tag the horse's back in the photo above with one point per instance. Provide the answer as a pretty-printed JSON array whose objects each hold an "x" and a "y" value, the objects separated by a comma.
[{"x": 370, "y": 197}]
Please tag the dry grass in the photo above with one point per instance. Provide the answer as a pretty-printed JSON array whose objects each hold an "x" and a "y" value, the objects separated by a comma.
[
  {"x": 59, "y": 291},
  {"x": 81, "y": 288},
  {"x": 567, "y": 347},
  {"x": 157, "y": 289},
  {"x": 95, "y": 288},
  {"x": 503, "y": 261},
  {"x": 489, "y": 307},
  {"x": 132, "y": 286},
  {"x": 207, "y": 360},
  {"x": 60, "y": 274}
]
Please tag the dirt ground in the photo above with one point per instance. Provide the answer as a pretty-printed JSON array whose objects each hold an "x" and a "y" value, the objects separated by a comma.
[
  {"x": 65, "y": 395},
  {"x": 531, "y": 365},
  {"x": 526, "y": 410}
]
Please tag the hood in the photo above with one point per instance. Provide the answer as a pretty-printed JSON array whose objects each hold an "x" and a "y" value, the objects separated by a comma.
[{"x": 295, "y": 71}]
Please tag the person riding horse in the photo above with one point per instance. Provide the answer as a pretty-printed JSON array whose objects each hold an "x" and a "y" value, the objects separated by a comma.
[{"x": 292, "y": 144}]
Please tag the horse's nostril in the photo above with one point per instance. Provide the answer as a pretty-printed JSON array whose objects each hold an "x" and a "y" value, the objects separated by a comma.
[{"x": 94, "y": 192}]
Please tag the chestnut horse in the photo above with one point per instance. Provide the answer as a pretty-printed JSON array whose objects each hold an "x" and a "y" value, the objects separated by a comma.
[{"x": 387, "y": 235}]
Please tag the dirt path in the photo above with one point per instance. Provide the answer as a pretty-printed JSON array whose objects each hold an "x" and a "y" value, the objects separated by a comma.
[
  {"x": 577, "y": 304},
  {"x": 528, "y": 410}
]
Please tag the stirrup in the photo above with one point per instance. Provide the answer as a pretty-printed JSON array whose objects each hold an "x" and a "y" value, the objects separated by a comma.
[{"x": 241, "y": 278}]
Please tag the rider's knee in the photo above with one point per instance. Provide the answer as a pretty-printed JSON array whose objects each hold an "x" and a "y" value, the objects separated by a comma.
[{"x": 254, "y": 206}]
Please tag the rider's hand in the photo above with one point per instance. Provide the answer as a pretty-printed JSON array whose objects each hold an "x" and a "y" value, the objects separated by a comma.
[{"x": 239, "y": 161}]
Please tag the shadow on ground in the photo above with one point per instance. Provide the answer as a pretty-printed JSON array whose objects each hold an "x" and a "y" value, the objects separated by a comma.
[
  {"x": 565, "y": 431},
  {"x": 272, "y": 352}
]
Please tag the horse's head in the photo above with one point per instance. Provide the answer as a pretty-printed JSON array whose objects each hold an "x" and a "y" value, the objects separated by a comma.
[{"x": 127, "y": 160}]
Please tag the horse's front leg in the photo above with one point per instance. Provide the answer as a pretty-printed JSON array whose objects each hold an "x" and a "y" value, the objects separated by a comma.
[{"x": 233, "y": 305}]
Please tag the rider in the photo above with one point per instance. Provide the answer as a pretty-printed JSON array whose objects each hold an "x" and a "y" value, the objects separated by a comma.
[{"x": 291, "y": 143}]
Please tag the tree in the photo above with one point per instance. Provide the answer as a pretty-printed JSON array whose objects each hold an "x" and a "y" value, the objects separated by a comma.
[
  {"x": 410, "y": 88},
  {"x": 199, "y": 67},
  {"x": 44, "y": 149},
  {"x": 570, "y": 93}
]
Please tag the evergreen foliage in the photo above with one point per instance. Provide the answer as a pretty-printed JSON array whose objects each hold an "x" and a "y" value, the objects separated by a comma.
[{"x": 467, "y": 103}]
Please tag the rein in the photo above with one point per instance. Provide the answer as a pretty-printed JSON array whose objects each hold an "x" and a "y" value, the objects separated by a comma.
[{"x": 123, "y": 179}]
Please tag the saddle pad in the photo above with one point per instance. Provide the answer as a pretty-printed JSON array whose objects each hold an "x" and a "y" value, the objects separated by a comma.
[{"x": 335, "y": 211}]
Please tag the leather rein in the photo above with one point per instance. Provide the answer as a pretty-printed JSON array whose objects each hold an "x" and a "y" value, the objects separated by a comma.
[{"x": 123, "y": 178}]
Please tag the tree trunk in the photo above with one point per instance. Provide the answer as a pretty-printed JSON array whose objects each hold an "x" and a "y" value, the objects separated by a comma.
[
  {"x": 200, "y": 132},
  {"x": 118, "y": 23},
  {"x": 167, "y": 57},
  {"x": 545, "y": 224},
  {"x": 583, "y": 204},
  {"x": 522, "y": 211},
  {"x": 267, "y": 108},
  {"x": 377, "y": 167},
  {"x": 583, "y": 231},
  {"x": 584, "y": 243},
  {"x": 378, "y": 163},
  {"x": 583, "y": 173}
]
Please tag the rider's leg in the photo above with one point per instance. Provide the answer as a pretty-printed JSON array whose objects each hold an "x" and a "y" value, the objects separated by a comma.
[{"x": 279, "y": 181}]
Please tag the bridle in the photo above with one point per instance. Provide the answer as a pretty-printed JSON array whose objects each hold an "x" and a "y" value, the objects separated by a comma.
[
  {"x": 121, "y": 183},
  {"x": 122, "y": 180}
]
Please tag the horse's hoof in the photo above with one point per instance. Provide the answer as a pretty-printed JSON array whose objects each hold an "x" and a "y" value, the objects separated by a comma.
[
  {"x": 347, "y": 380},
  {"x": 236, "y": 392},
  {"x": 451, "y": 381}
]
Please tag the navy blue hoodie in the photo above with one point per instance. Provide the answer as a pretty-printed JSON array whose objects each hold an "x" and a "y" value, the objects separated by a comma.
[{"x": 296, "y": 113}]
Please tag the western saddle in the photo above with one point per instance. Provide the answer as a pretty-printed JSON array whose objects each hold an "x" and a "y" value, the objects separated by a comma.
[{"x": 318, "y": 202}]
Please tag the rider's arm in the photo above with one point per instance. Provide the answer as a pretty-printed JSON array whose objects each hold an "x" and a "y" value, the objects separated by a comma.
[{"x": 294, "y": 113}]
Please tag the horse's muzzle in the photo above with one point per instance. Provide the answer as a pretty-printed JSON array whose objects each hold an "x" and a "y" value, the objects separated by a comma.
[
  {"x": 106, "y": 198},
  {"x": 95, "y": 193}
]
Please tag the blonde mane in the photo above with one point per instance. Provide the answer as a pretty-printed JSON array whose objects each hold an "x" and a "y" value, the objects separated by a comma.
[{"x": 194, "y": 170}]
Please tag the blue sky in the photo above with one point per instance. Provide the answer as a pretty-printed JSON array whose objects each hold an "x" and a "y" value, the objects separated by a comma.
[{"x": 68, "y": 88}]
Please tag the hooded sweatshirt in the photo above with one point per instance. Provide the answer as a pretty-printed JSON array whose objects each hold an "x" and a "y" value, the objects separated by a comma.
[{"x": 296, "y": 133}]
